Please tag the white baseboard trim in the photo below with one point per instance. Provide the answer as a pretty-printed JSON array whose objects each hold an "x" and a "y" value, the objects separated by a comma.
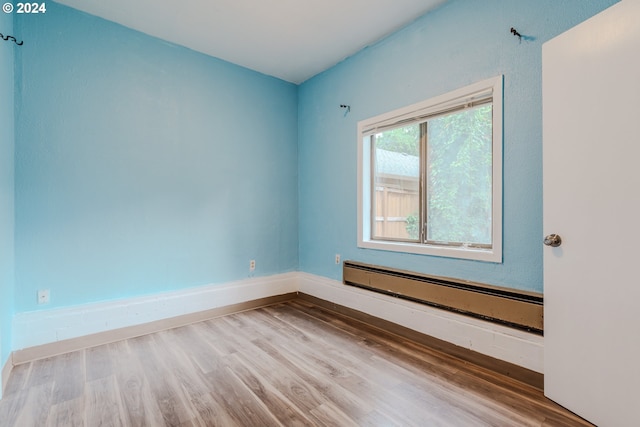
[
  {"x": 500, "y": 342},
  {"x": 32, "y": 330},
  {"x": 37, "y": 328}
]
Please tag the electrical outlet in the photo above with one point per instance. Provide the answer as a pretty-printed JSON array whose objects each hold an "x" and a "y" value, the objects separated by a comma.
[
  {"x": 43, "y": 296},
  {"x": 337, "y": 258},
  {"x": 252, "y": 265}
]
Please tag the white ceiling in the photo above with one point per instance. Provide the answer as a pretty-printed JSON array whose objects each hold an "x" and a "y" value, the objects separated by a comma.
[{"x": 289, "y": 39}]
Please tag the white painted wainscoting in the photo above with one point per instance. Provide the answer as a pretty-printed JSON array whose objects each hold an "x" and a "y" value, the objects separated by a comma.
[
  {"x": 500, "y": 342},
  {"x": 44, "y": 327}
]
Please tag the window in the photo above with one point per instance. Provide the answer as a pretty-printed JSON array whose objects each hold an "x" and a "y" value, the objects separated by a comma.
[{"x": 430, "y": 176}]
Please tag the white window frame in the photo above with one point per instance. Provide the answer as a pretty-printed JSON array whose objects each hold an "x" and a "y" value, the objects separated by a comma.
[{"x": 407, "y": 114}]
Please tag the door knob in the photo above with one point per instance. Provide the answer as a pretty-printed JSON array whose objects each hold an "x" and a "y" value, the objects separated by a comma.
[{"x": 553, "y": 240}]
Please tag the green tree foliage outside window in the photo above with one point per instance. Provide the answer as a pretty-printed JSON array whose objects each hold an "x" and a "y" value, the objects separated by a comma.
[
  {"x": 459, "y": 174},
  {"x": 403, "y": 140}
]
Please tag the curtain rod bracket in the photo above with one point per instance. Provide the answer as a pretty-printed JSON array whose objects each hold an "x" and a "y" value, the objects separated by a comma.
[
  {"x": 13, "y": 39},
  {"x": 516, "y": 33}
]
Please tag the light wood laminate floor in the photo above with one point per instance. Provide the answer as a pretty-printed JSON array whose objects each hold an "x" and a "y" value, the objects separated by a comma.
[{"x": 291, "y": 364}]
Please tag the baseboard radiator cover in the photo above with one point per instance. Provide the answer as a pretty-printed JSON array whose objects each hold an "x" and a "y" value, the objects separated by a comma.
[{"x": 518, "y": 309}]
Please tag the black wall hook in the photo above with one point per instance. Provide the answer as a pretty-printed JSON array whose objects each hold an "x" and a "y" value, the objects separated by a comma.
[
  {"x": 13, "y": 39},
  {"x": 347, "y": 109},
  {"x": 516, "y": 33}
]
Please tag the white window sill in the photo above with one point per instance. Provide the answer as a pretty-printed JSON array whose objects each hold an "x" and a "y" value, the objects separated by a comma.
[{"x": 476, "y": 254}]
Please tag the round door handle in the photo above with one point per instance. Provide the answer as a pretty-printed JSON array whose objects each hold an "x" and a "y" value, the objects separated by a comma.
[{"x": 553, "y": 240}]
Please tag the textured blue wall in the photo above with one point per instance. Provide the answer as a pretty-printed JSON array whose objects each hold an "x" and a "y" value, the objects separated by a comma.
[
  {"x": 144, "y": 167},
  {"x": 6, "y": 189},
  {"x": 462, "y": 42}
]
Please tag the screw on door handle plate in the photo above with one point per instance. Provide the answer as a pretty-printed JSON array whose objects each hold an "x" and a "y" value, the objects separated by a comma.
[{"x": 553, "y": 240}]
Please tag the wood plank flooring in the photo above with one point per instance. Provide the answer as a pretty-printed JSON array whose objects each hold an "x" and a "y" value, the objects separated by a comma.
[{"x": 290, "y": 364}]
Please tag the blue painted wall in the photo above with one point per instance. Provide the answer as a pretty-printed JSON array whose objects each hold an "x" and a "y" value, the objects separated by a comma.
[
  {"x": 462, "y": 42},
  {"x": 144, "y": 167},
  {"x": 6, "y": 189}
]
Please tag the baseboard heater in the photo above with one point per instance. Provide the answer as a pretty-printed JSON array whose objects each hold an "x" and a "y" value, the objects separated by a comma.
[{"x": 518, "y": 309}]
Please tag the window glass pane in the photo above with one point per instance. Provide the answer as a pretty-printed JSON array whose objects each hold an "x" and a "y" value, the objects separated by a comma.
[
  {"x": 396, "y": 194},
  {"x": 459, "y": 166}
]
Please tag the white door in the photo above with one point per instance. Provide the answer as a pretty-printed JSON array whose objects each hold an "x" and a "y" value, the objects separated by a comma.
[{"x": 591, "y": 163}]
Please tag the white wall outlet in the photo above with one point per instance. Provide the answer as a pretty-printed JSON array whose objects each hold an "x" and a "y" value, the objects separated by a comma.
[
  {"x": 252, "y": 265},
  {"x": 43, "y": 296},
  {"x": 337, "y": 258}
]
